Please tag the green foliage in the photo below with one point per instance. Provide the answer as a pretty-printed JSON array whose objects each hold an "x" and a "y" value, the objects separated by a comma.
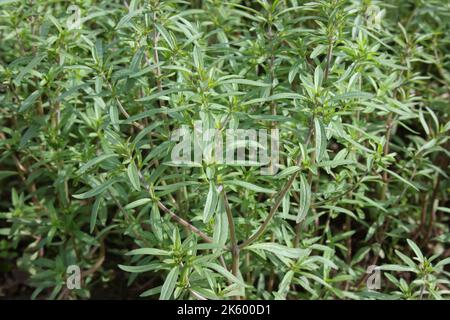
[{"x": 358, "y": 89}]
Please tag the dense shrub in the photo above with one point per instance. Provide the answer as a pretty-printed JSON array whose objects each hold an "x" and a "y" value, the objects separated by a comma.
[{"x": 93, "y": 93}]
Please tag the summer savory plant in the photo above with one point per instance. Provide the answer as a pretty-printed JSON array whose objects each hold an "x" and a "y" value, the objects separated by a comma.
[{"x": 93, "y": 94}]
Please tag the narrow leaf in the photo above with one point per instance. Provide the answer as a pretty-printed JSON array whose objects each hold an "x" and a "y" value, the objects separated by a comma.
[
  {"x": 133, "y": 175},
  {"x": 138, "y": 203},
  {"x": 321, "y": 139},
  {"x": 305, "y": 198},
  {"x": 170, "y": 283}
]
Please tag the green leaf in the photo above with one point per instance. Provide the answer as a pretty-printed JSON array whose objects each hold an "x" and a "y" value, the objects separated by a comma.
[
  {"x": 138, "y": 203},
  {"x": 442, "y": 263},
  {"x": 269, "y": 117},
  {"x": 28, "y": 102},
  {"x": 6, "y": 173},
  {"x": 249, "y": 186},
  {"x": 165, "y": 34},
  {"x": 156, "y": 222},
  {"x": 228, "y": 275},
  {"x": 94, "y": 214},
  {"x": 342, "y": 210},
  {"x": 95, "y": 191},
  {"x": 305, "y": 199},
  {"x": 320, "y": 138},
  {"x": 353, "y": 95},
  {"x": 246, "y": 82},
  {"x": 405, "y": 259},
  {"x": 279, "y": 96},
  {"x": 29, "y": 134},
  {"x": 114, "y": 115},
  {"x": 220, "y": 224},
  {"x": 55, "y": 23},
  {"x": 169, "y": 284},
  {"x": 318, "y": 78},
  {"x": 284, "y": 285},
  {"x": 287, "y": 172},
  {"x": 318, "y": 51},
  {"x": 151, "y": 292},
  {"x": 278, "y": 249},
  {"x": 211, "y": 202},
  {"x": 140, "y": 269},
  {"x": 423, "y": 122},
  {"x": 97, "y": 51},
  {"x": 371, "y": 202},
  {"x": 158, "y": 95},
  {"x": 133, "y": 175},
  {"x": 33, "y": 63},
  {"x": 335, "y": 163},
  {"x": 148, "y": 251},
  {"x": 359, "y": 255},
  {"x": 399, "y": 177},
  {"x": 395, "y": 267},
  {"x": 416, "y": 250},
  {"x": 95, "y": 161},
  {"x": 125, "y": 21},
  {"x": 3, "y": 2},
  {"x": 286, "y": 205},
  {"x": 430, "y": 144}
]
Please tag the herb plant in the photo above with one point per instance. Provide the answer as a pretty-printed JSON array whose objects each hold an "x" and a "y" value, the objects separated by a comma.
[{"x": 92, "y": 92}]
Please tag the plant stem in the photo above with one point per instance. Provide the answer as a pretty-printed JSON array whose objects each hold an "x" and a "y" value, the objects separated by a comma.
[
  {"x": 184, "y": 223},
  {"x": 234, "y": 244},
  {"x": 278, "y": 200}
]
